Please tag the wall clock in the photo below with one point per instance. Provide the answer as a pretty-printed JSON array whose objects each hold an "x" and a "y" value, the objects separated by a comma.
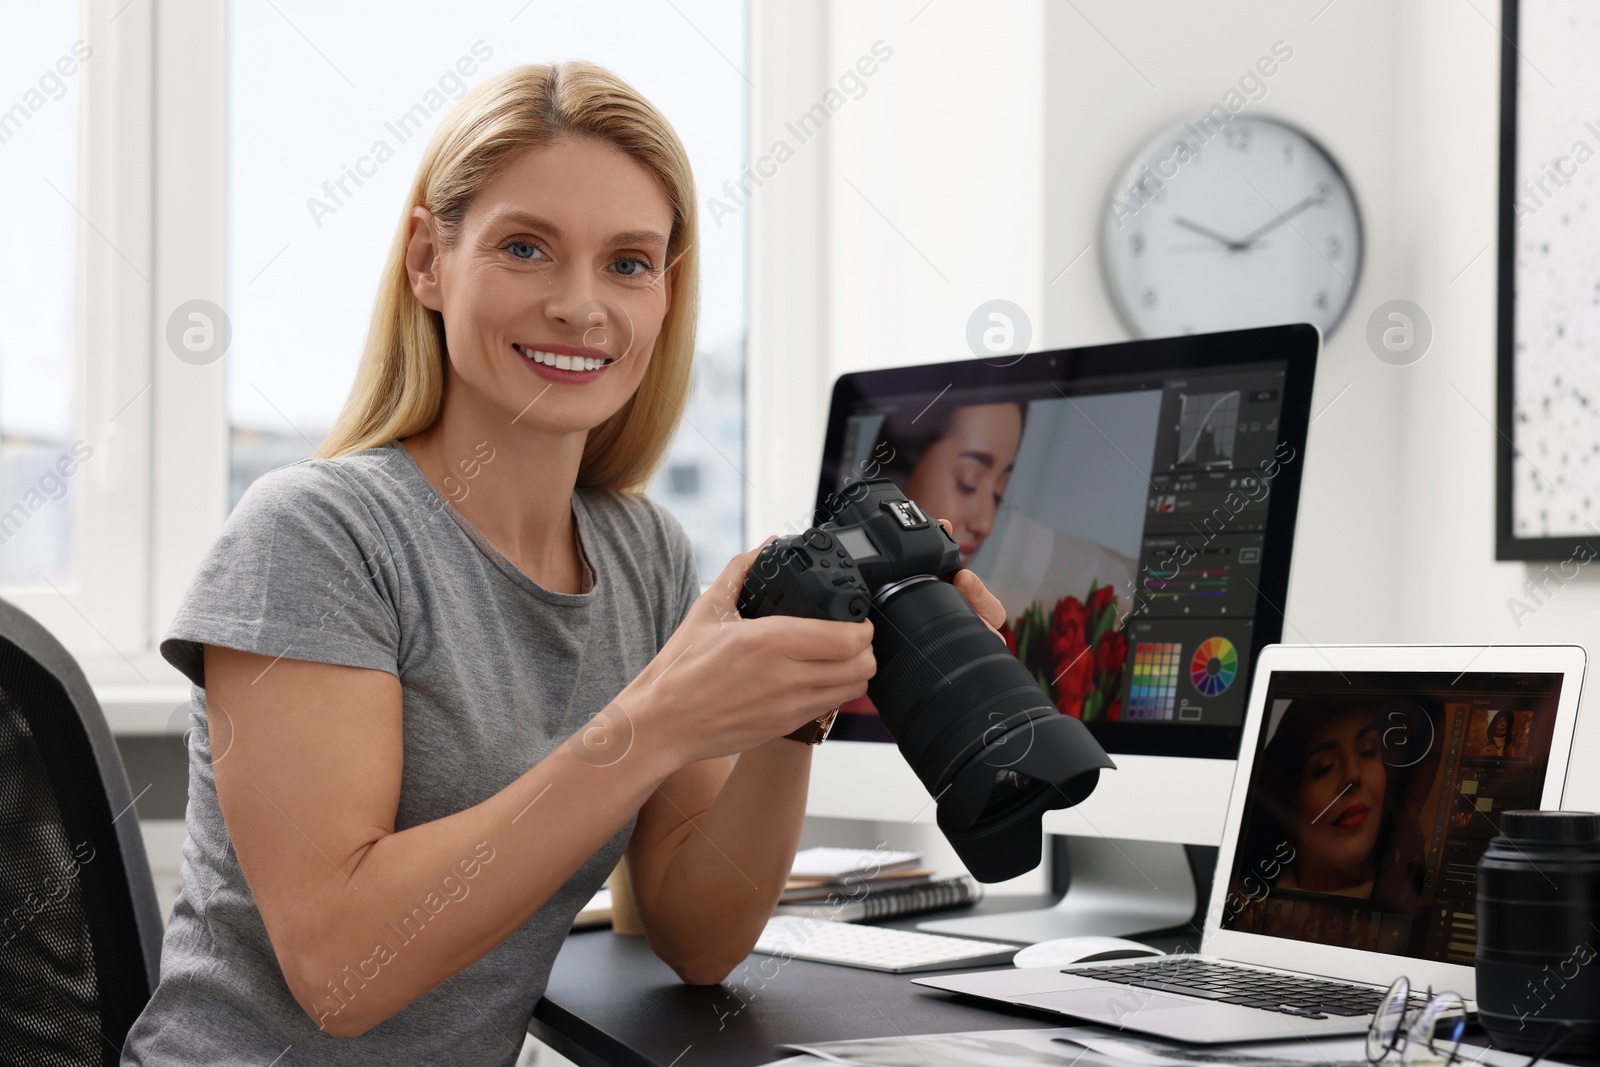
[{"x": 1219, "y": 225}]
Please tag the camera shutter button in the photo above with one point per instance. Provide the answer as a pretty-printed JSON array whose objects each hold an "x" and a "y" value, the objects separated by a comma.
[{"x": 819, "y": 540}]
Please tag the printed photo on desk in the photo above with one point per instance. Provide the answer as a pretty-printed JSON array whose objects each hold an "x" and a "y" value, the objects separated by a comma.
[{"x": 1076, "y": 1046}]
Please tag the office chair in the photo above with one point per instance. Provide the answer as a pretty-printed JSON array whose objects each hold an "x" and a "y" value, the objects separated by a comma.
[{"x": 80, "y": 930}]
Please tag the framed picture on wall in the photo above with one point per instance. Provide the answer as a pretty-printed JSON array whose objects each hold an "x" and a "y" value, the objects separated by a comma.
[{"x": 1548, "y": 448}]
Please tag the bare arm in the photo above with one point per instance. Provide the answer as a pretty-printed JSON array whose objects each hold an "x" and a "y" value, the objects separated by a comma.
[
  {"x": 309, "y": 789},
  {"x": 711, "y": 853},
  {"x": 712, "y": 849}
]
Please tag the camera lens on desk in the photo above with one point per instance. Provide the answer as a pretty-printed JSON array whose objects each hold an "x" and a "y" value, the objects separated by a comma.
[{"x": 1538, "y": 975}]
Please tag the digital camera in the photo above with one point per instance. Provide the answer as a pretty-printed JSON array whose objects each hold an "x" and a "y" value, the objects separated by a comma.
[{"x": 967, "y": 716}]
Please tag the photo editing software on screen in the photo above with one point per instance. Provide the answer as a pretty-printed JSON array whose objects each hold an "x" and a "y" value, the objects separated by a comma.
[
  {"x": 1120, "y": 522},
  {"x": 1372, "y": 798}
]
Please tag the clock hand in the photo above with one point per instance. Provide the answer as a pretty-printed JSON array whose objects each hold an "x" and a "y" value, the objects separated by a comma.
[
  {"x": 1314, "y": 200},
  {"x": 1233, "y": 246}
]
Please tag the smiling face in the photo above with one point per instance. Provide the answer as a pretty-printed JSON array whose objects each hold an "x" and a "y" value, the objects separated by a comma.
[
  {"x": 962, "y": 476},
  {"x": 561, "y": 258},
  {"x": 1340, "y": 803}
]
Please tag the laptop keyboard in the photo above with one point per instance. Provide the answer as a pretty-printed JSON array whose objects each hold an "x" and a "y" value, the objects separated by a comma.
[{"x": 1225, "y": 983}]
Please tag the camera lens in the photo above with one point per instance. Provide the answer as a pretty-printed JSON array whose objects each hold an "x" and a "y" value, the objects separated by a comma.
[
  {"x": 975, "y": 726},
  {"x": 1538, "y": 909},
  {"x": 972, "y": 722}
]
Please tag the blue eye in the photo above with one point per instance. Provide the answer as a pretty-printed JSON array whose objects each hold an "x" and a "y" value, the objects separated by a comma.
[
  {"x": 641, "y": 267},
  {"x": 513, "y": 246}
]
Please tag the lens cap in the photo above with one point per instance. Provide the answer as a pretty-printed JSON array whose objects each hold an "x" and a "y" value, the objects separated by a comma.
[{"x": 1553, "y": 827}]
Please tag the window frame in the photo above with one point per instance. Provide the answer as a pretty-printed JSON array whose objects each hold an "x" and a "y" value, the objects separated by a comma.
[
  {"x": 101, "y": 611},
  {"x": 787, "y": 374}
]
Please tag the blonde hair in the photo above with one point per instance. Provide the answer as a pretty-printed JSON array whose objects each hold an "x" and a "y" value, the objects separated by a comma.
[{"x": 399, "y": 386}]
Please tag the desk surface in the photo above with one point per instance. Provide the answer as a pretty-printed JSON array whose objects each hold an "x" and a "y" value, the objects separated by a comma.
[{"x": 611, "y": 1001}]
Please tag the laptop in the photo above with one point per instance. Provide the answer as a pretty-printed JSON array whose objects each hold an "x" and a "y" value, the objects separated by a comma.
[{"x": 1369, "y": 783}]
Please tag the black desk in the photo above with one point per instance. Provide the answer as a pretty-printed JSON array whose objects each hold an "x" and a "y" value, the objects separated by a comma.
[{"x": 611, "y": 1002}]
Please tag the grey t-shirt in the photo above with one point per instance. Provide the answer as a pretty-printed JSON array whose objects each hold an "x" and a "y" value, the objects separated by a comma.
[{"x": 359, "y": 561}]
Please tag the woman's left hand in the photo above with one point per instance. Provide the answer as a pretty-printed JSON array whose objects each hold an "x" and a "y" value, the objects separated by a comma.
[{"x": 985, "y": 603}]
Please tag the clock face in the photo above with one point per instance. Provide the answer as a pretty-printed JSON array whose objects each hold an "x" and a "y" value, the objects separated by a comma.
[{"x": 1249, "y": 224}]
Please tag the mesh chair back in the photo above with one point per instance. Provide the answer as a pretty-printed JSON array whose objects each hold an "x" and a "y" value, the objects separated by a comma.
[{"x": 80, "y": 931}]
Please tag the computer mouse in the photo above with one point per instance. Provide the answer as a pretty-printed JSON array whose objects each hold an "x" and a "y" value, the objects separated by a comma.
[{"x": 1066, "y": 951}]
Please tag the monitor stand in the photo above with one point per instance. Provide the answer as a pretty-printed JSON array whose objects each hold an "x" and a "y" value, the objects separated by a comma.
[{"x": 1117, "y": 888}]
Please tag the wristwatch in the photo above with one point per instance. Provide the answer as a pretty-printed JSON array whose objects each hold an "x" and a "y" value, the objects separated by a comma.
[{"x": 813, "y": 732}]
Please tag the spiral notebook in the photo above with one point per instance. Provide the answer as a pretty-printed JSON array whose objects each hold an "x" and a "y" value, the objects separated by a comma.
[{"x": 889, "y": 903}]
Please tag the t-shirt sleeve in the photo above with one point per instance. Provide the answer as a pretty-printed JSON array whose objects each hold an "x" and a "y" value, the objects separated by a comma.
[
  {"x": 682, "y": 575},
  {"x": 688, "y": 573},
  {"x": 300, "y": 570}
]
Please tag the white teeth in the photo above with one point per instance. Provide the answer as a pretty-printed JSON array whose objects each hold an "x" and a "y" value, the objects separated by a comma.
[{"x": 550, "y": 359}]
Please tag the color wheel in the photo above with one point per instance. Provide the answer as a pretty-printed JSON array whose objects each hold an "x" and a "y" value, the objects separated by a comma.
[{"x": 1213, "y": 666}]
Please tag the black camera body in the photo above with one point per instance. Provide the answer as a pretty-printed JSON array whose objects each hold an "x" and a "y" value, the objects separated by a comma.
[
  {"x": 971, "y": 721},
  {"x": 832, "y": 570}
]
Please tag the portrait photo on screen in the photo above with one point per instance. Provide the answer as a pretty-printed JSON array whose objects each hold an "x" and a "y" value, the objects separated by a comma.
[
  {"x": 1044, "y": 507},
  {"x": 1371, "y": 802}
]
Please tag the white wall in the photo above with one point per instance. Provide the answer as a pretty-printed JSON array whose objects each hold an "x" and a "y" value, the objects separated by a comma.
[
  {"x": 917, "y": 202},
  {"x": 1117, "y": 74},
  {"x": 1451, "y": 588},
  {"x": 938, "y": 179}
]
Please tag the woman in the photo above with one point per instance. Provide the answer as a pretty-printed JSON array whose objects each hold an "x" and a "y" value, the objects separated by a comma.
[
  {"x": 1498, "y": 735},
  {"x": 1330, "y": 802},
  {"x": 955, "y": 463},
  {"x": 450, "y": 673},
  {"x": 1338, "y": 806}
]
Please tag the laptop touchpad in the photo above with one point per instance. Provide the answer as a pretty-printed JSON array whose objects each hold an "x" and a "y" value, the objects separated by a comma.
[{"x": 1114, "y": 1005}]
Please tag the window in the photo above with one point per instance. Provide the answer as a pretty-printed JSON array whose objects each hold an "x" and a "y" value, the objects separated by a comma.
[
  {"x": 39, "y": 101},
  {"x": 315, "y": 89},
  {"x": 75, "y": 150}
]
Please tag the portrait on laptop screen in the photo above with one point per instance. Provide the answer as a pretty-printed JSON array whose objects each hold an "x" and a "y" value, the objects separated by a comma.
[{"x": 1372, "y": 798}]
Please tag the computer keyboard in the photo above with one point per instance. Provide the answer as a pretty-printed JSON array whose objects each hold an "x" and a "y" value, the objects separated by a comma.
[
  {"x": 1226, "y": 983},
  {"x": 875, "y": 948}
]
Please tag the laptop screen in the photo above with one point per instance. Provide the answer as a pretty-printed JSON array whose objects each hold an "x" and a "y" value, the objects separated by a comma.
[{"x": 1372, "y": 798}]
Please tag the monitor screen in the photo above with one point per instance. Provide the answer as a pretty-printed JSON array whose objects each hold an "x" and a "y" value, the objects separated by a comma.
[
  {"x": 1132, "y": 507},
  {"x": 1372, "y": 798}
]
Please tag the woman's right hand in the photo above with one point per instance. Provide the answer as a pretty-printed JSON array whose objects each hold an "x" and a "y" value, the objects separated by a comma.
[{"x": 723, "y": 683}]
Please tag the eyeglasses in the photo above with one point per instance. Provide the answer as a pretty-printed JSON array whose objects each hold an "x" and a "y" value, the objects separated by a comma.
[{"x": 1429, "y": 1029}]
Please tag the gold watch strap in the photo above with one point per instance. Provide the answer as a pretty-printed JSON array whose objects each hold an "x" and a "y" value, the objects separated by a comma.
[{"x": 813, "y": 732}]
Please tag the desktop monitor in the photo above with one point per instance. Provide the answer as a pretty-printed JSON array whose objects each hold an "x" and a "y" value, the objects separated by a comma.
[{"x": 1133, "y": 507}]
